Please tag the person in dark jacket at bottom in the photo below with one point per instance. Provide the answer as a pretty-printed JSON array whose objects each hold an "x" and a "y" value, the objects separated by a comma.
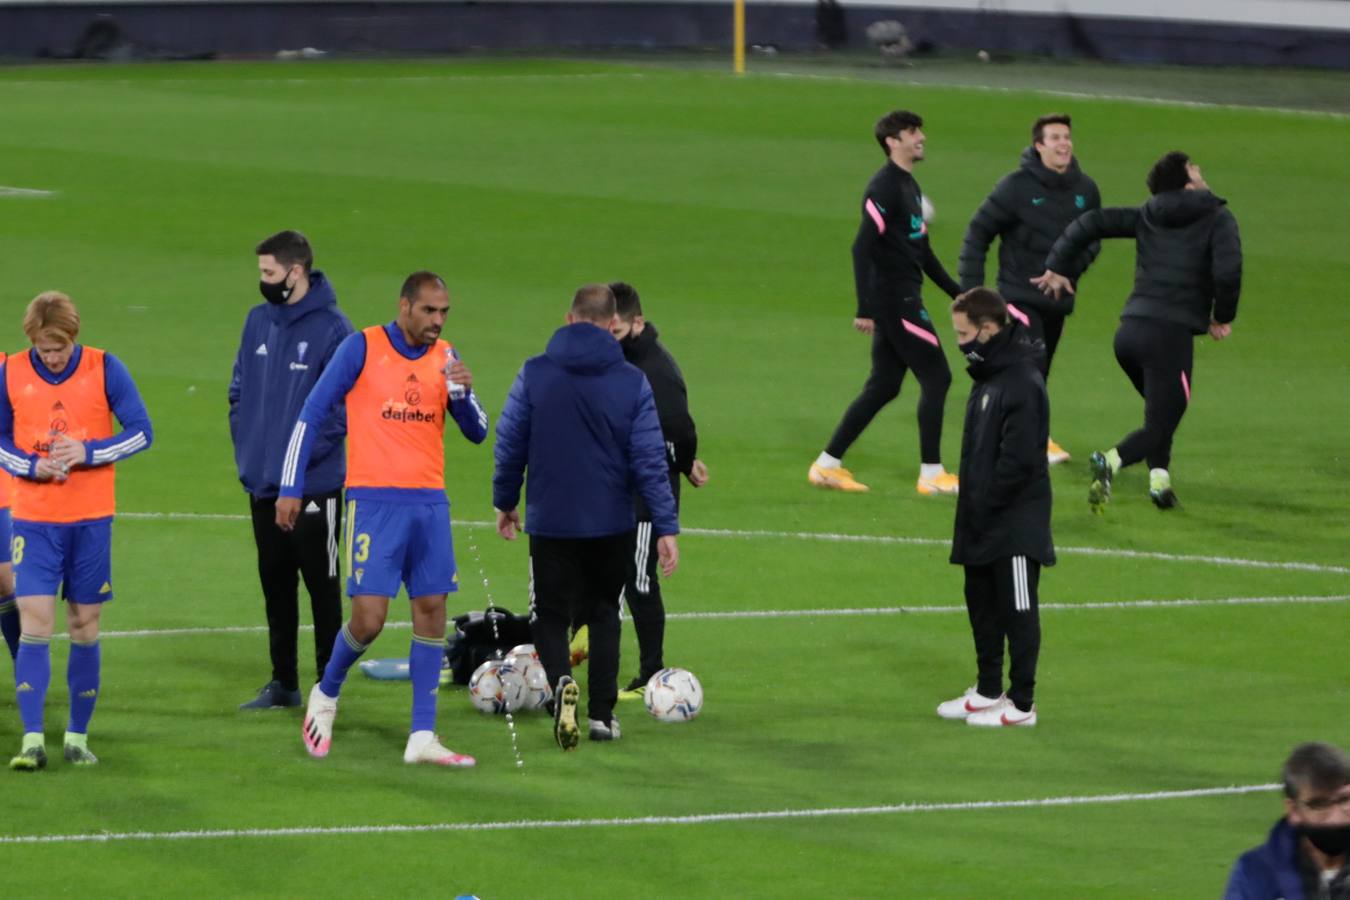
[
  {"x": 1002, "y": 530},
  {"x": 1307, "y": 856},
  {"x": 1187, "y": 278},
  {"x": 583, "y": 422}
]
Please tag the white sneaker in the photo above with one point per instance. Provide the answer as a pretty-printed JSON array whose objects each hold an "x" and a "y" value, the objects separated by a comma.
[
  {"x": 604, "y": 731},
  {"x": 425, "y": 747},
  {"x": 318, "y": 728},
  {"x": 969, "y": 703},
  {"x": 1004, "y": 714}
]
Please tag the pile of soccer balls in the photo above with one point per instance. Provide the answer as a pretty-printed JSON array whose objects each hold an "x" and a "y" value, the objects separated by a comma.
[
  {"x": 512, "y": 684},
  {"x": 517, "y": 683}
]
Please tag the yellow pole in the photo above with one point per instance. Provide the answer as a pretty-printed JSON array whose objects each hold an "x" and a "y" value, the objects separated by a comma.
[{"x": 738, "y": 36}]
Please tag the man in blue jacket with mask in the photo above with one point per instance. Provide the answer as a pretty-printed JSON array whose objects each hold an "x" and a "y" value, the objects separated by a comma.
[
  {"x": 286, "y": 344},
  {"x": 584, "y": 424}
]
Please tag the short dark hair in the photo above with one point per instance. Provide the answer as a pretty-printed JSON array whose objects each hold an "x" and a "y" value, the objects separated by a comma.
[
  {"x": 1323, "y": 767},
  {"x": 891, "y": 124},
  {"x": 413, "y": 284},
  {"x": 627, "y": 303},
  {"x": 291, "y": 248},
  {"x": 594, "y": 303},
  {"x": 981, "y": 305},
  {"x": 1038, "y": 129},
  {"x": 1169, "y": 173}
]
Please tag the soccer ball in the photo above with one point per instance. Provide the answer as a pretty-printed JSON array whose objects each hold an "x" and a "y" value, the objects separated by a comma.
[
  {"x": 537, "y": 689},
  {"x": 926, "y": 206},
  {"x": 673, "y": 695},
  {"x": 523, "y": 654},
  {"x": 497, "y": 687}
]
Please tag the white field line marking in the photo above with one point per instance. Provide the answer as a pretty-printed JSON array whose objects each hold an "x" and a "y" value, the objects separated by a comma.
[
  {"x": 695, "y": 819},
  {"x": 7, "y": 191},
  {"x": 1231, "y": 561},
  {"x": 812, "y": 613},
  {"x": 1051, "y": 92}
]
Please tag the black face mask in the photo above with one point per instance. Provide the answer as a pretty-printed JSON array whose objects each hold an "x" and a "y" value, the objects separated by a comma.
[
  {"x": 972, "y": 350},
  {"x": 276, "y": 291},
  {"x": 1333, "y": 840}
]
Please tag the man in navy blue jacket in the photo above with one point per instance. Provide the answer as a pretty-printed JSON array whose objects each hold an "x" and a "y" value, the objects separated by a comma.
[
  {"x": 584, "y": 423},
  {"x": 286, "y": 344},
  {"x": 1308, "y": 852}
]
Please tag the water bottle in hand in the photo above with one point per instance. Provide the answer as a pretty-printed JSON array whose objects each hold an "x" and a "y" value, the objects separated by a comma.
[{"x": 456, "y": 390}]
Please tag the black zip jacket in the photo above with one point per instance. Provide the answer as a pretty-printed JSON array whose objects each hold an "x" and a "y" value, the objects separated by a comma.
[
  {"x": 672, "y": 404},
  {"x": 1188, "y": 256},
  {"x": 1027, "y": 210},
  {"x": 1003, "y": 509},
  {"x": 891, "y": 253}
]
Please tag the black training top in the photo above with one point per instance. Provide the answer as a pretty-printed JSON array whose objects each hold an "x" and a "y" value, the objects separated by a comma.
[{"x": 891, "y": 253}]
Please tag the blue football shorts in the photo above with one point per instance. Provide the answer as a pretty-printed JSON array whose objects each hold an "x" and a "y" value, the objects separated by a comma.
[
  {"x": 75, "y": 557},
  {"x": 6, "y": 534},
  {"x": 389, "y": 544}
]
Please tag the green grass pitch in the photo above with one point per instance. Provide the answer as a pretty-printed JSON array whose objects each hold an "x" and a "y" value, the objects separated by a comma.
[{"x": 731, "y": 205}]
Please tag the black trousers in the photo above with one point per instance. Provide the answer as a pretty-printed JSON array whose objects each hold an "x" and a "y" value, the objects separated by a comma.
[
  {"x": 1043, "y": 326},
  {"x": 1002, "y": 603},
  {"x": 575, "y": 582},
  {"x": 311, "y": 551},
  {"x": 904, "y": 340},
  {"x": 642, "y": 593},
  {"x": 1157, "y": 357}
]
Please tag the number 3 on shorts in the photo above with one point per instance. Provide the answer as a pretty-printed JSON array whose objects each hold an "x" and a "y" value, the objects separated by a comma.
[
  {"x": 16, "y": 550},
  {"x": 362, "y": 547}
]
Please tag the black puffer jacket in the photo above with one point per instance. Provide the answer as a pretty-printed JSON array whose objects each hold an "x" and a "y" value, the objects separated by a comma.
[
  {"x": 672, "y": 405},
  {"x": 1027, "y": 211},
  {"x": 1003, "y": 509},
  {"x": 1188, "y": 256}
]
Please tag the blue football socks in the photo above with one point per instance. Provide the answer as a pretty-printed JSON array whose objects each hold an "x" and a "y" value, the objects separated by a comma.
[
  {"x": 346, "y": 651},
  {"x": 32, "y": 675},
  {"x": 9, "y": 624},
  {"x": 424, "y": 664},
  {"x": 82, "y": 677}
]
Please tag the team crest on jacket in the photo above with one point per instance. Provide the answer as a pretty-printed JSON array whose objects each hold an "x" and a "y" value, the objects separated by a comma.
[
  {"x": 1079, "y": 201},
  {"x": 412, "y": 391},
  {"x": 300, "y": 349}
]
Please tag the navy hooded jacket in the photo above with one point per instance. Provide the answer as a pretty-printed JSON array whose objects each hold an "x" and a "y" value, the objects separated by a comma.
[
  {"x": 583, "y": 422},
  {"x": 1270, "y": 871},
  {"x": 283, "y": 350}
]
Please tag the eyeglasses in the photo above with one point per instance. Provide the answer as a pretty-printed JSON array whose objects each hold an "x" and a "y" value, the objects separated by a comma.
[{"x": 1322, "y": 804}]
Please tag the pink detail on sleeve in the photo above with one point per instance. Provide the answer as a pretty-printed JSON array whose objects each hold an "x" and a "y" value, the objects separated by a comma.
[
  {"x": 1186, "y": 386},
  {"x": 876, "y": 215},
  {"x": 922, "y": 334},
  {"x": 1019, "y": 315}
]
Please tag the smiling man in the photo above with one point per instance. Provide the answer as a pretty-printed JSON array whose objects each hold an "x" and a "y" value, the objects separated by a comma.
[
  {"x": 891, "y": 256},
  {"x": 1027, "y": 211}
]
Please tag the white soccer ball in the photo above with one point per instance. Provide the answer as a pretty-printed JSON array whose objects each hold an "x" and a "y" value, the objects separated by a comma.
[
  {"x": 673, "y": 695},
  {"x": 523, "y": 654},
  {"x": 537, "y": 689},
  {"x": 926, "y": 206},
  {"x": 497, "y": 687}
]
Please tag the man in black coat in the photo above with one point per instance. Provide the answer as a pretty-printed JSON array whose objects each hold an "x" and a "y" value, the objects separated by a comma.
[
  {"x": 642, "y": 592},
  {"x": 1027, "y": 210},
  {"x": 1002, "y": 531},
  {"x": 1187, "y": 278}
]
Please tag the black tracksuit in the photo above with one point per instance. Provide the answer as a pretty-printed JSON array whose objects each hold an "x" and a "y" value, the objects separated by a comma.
[
  {"x": 1027, "y": 210},
  {"x": 891, "y": 255},
  {"x": 1188, "y": 272},
  {"x": 1002, "y": 530},
  {"x": 643, "y": 590}
]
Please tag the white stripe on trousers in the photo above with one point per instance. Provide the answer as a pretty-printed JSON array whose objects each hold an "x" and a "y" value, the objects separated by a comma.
[
  {"x": 1021, "y": 592},
  {"x": 640, "y": 554},
  {"x": 332, "y": 538}
]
